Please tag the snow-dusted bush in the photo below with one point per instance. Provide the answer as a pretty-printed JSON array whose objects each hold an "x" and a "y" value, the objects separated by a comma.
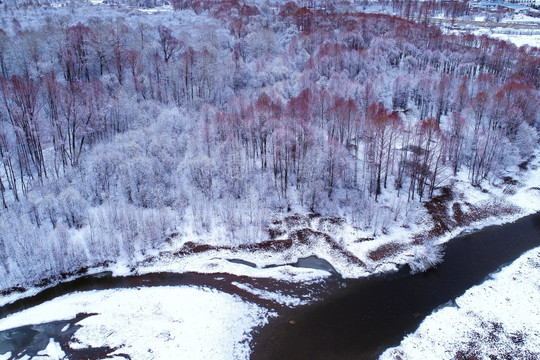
[{"x": 426, "y": 256}]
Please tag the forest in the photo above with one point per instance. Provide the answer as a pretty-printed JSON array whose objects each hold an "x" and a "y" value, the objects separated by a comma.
[{"x": 120, "y": 128}]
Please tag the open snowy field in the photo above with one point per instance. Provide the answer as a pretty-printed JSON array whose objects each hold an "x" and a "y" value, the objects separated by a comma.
[
  {"x": 518, "y": 29},
  {"x": 498, "y": 318},
  {"x": 151, "y": 323},
  {"x": 516, "y": 37}
]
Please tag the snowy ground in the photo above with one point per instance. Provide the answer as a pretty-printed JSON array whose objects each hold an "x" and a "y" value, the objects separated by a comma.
[
  {"x": 207, "y": 324},
  {"x": 497, "y": 319},
  {"x": 518, "y": 29},
  {"x": 152, "y": 323},
  {"x": 517, "y": 37}
]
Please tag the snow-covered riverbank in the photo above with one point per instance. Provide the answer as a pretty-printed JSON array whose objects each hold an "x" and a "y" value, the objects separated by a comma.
[
  {"x": 352, "y": 251},
  {"x": 150, "y": 323},
  {"x": 498, "y": 318},
  {"x": 355, "y": 252}
]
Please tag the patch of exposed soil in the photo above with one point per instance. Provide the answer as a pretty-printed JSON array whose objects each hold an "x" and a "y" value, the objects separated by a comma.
[
  {"x": 296, "y": 220},
  {"x": 476, "y": 213},
  {"x": 459, "y": 216},
  {"x": 462, "y": 214},
  {"x": 275, "y": 233},
  {"x": 12, "y": 290},
  {"x": 493, "y": 336},
  {"x": 437, "y": 207},
  {"x": 305, "y": 235},
  {"x": 270, "y": 245},
  {"x": 525, "y": 165},
  {"x": 359, "y": 240},
  {"x": 386, "y": 250},
  {"x": 508, "y": 180},
  {"x": 330, "y": 223},
  {"x": 193, "y": 248},
  {"x": 346, "y": 253}
]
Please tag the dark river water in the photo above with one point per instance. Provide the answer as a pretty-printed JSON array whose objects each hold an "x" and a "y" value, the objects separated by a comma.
[
  {"x": 368, "y": 316},
  {"x": 356, "y": 319}
]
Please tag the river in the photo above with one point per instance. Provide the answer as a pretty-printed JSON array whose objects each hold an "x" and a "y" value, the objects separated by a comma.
[
  {"x": 356, "y": 318},
  {"x": 370, "y": 315}
]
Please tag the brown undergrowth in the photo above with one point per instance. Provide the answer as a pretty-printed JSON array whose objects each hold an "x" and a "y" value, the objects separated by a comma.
[{"x": 447, "y": 214}]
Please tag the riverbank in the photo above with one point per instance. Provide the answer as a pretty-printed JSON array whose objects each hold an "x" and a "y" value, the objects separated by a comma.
[
  {"x": 406, "y": 233},
  {"x": 138, "y": 323},
  {"x": 38, "y": 325},
  {"x": 496, "y": 319},
  {"x": 383, "y": 306}
]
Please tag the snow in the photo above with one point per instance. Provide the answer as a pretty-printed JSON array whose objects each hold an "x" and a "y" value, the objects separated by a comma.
[
  {"x": 390, "y": 221},
  {"x": 274, "y": 296},
  {"x": 522, "y": 18},
  {"x": 519, "y": 29},
  {"x": 500, "y": 316},
  {"x": 200, "y": 29},
  {"x": 153, "y": 323},
  {"x": 212, "y": 262},
  {"x": 523, "y": 195},
  {"x": 520, "y": 40},
  {"x": 528, "y": 196},
  {"x": 156, "y": 9},
  {"x": 7, "y": 299},
  {"x": 517, "y": 37},
  {"x": 52, "y": 351}
]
